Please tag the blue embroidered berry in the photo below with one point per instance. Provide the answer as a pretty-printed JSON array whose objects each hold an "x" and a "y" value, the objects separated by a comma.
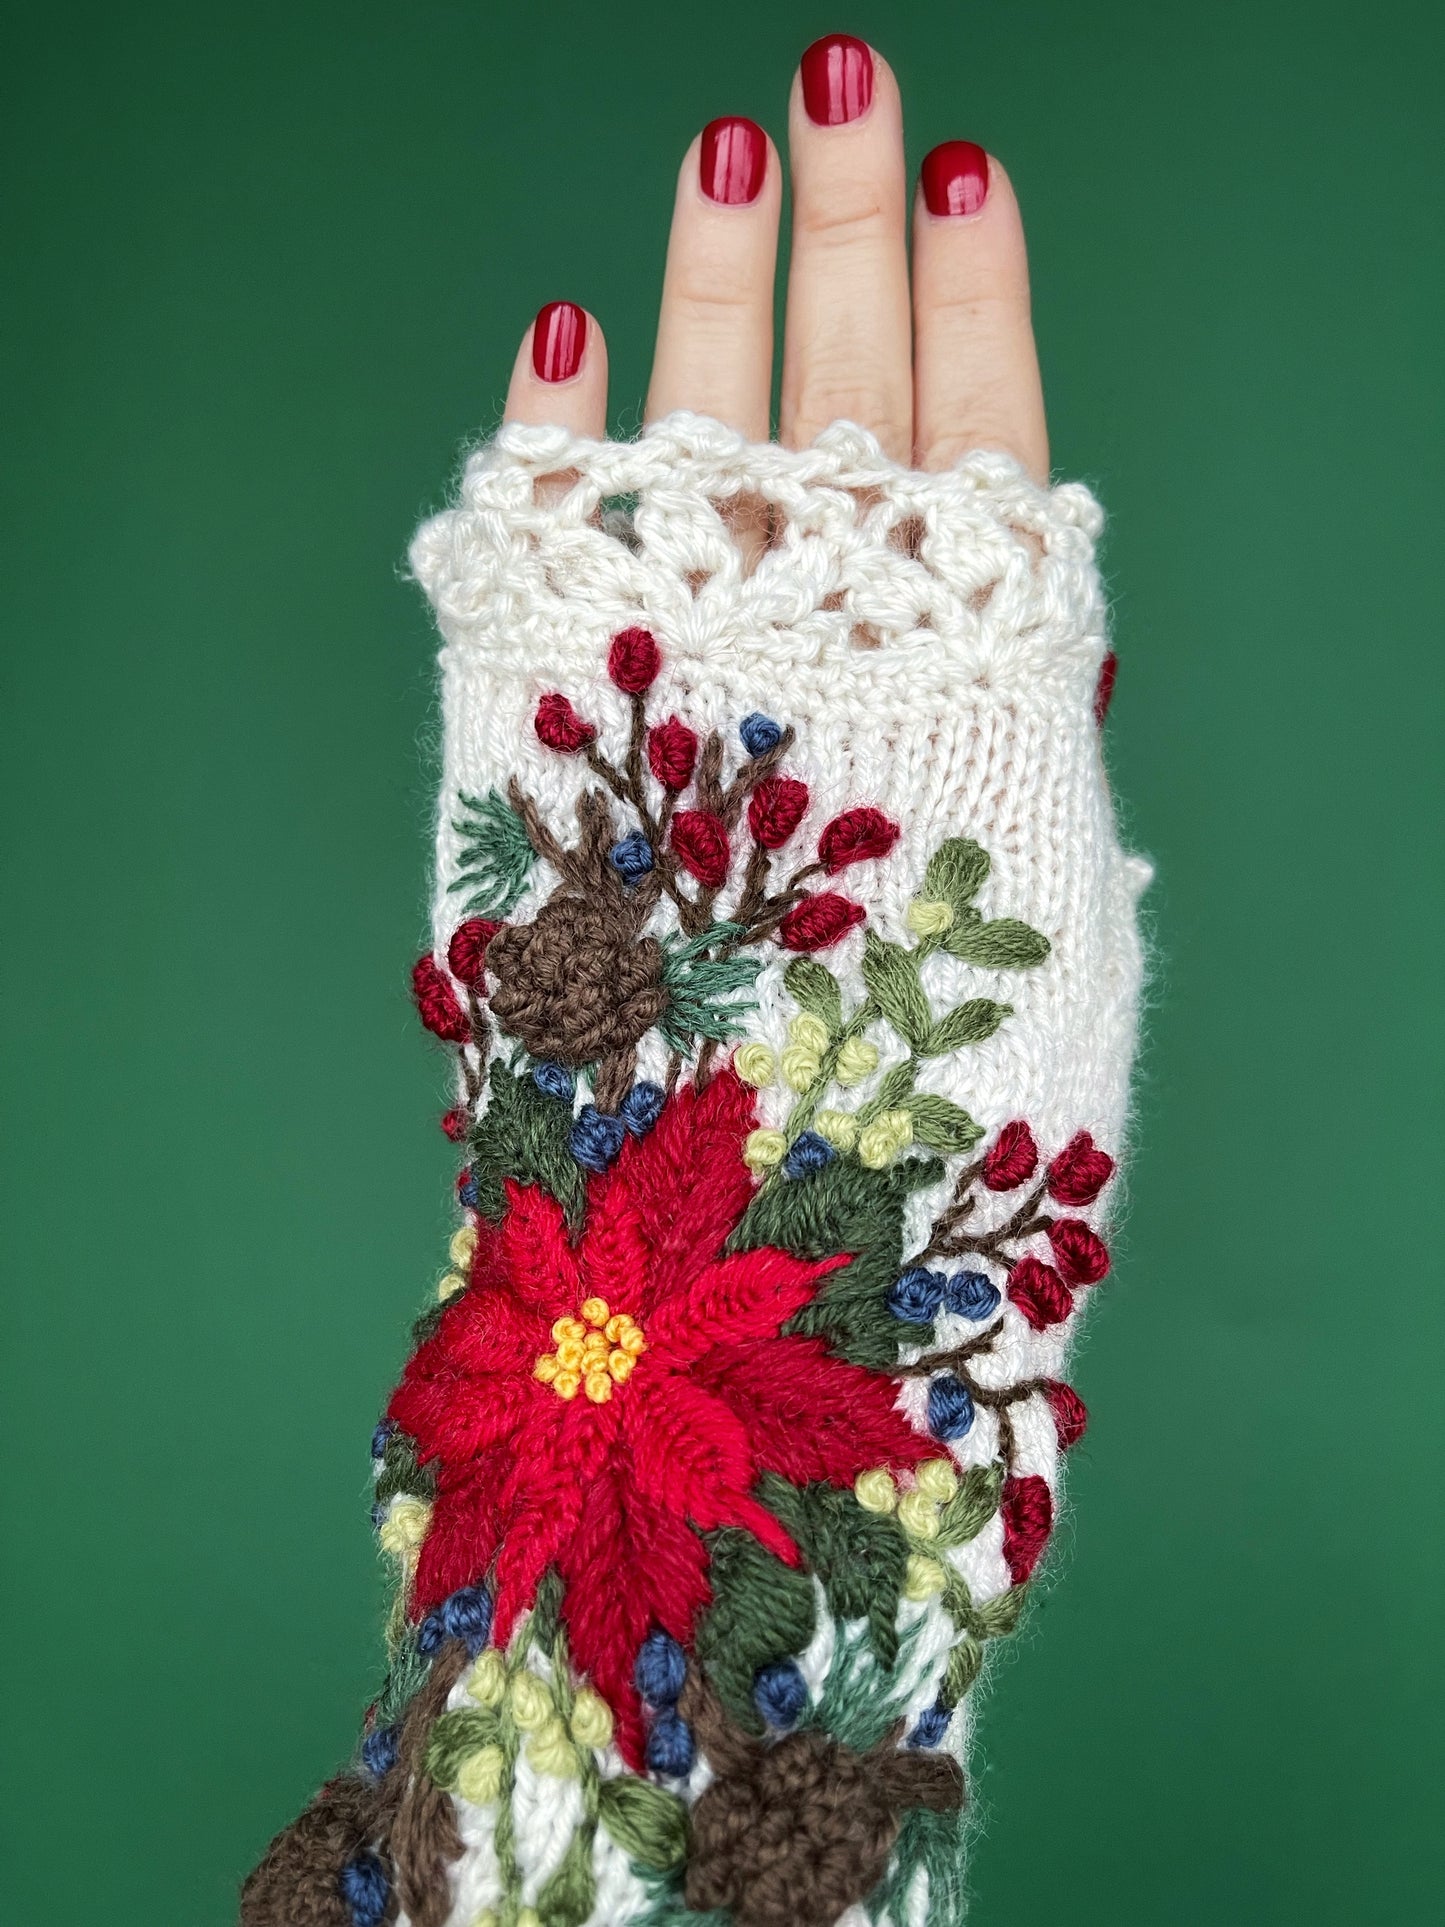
[
  {"x": 554, "y": 1079},
  {"x": 661, "y": 1670},
  {"x": 467, "y": 1192},
  {"x": 971, "y": 1295},
  {"x": 950, "y": 1408},
  {"x": 759, "y": 733},
  {"x": 467, "y": 1615},
  {"x": 642, "y": 1107},
  {"x": 365, "y": 1889},
  {"x": 780, "y": 1692},
  {"x": 809, "y": 1154},
  {"x": 379, "y": 1750},
  {"x": 431, "y": 1636},
  {"x": 932, "y": 1725},
  {"x": 379, "y": 1437},
  {"x": 632, "y": 857},
  {"x": 595, "y": 1138},
  {"x": 670, "y": 1749},
  {"x": 918, "y": 1295}
]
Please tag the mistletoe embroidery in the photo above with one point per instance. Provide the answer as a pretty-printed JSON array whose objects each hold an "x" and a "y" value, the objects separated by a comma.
[{"x": 651, "y": 1440}]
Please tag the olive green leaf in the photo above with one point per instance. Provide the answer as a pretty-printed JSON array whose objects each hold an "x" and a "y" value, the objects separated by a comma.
[
  {"x": 972, "y": 1506},
  {"x": 644, "y": 1821},
  {"x": 455, "y": 1737},
  {"x": 964, "y": 1665},
  {"x": 571, "y": 1893},
  {"x": 1001, "y": 944},
  {"x": 891, "y": 974},
  {"x": 942, "y": 1126},
  {"x": 970, "y": 1023},
  {"x": 955, "y": 872},
  {"x": 815, "y": 988},
  {"x": 1001, "y": 1615}
]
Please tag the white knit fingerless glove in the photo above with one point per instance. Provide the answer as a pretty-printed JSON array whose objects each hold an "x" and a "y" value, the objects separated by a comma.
[{"x": 788, "y": 952}]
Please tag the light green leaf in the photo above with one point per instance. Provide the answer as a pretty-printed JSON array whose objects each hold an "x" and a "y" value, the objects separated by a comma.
[
  {"x": 964, "y": 1665},
  {"x": 644, "y": 1821},
  {"x": 942, "y": 1126},
  {"x": 970, "y": 1023},
  {"x": 956, "y": 871},
  {"x": 815, "y": 988},
  {"x": 972, "y": 1506},
  {"x": 456, "y": 1736},
  {"x": 891, "y": 974},
  {"x": 570, "y": 1895},
  {"x": 893, "y": 1089},
  {"x": 1001, "y": 1615},
  {"x": 1002, "y": 944}
]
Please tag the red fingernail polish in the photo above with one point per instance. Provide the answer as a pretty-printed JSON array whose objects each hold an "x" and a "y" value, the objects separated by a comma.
[
  {"x": 955, "y": 178},
  {"x": 733, "y": 160},
  {"x": 837, "y": 79},
  {"x": 559, "y": 334}
]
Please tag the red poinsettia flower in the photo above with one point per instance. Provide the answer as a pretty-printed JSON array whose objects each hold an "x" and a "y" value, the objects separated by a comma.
[{"x": 597, "y": 1406}]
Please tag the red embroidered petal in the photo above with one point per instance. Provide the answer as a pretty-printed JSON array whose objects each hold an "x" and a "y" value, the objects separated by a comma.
[
  {"x": 749, "y": 1295},
  {"x": 463, "y": 1536},
  {"x": 689, "y": 1452},
  {"x": 628, "y": 1567},
  {"x": 557, "y": 1459},
  {"x": 615, "y": 1257},
  {"x": 689, "y": 1179},
  {"x": 456, "y": 1416},
  {"x": 541, "y": 1267},
  {"x": 809, "y": 1415}
]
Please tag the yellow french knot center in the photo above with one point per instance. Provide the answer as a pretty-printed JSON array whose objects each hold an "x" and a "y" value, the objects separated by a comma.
[{"x": 595, "y": 1351}]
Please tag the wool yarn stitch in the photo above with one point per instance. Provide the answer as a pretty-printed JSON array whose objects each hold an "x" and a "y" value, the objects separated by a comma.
[{"x": 785, "y": 952}]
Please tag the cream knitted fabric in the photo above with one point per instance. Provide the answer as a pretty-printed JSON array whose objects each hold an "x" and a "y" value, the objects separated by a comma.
[{"x": 788, "y": 952}]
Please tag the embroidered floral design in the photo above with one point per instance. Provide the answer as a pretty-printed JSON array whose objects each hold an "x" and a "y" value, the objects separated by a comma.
[{"x": 649, "y": 1482}]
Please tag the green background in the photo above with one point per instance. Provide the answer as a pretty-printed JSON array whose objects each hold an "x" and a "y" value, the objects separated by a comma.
[{"x": 265, "y": 268}]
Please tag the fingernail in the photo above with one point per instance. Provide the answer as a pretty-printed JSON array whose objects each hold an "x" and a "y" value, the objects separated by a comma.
[
  {"x": 837, "y": 79},
  {"x": 733, "y": 160},
  {"x": 955, "y": 178},
  {"x": 559, "y": 334}
]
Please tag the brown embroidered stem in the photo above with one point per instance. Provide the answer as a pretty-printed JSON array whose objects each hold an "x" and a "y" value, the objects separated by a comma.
[
  {"x": 614, "y": 1078},
  {"x": 948, "y": 1243},
  {"x": 424, "y": 1839},
  {"x": 750, "y": 775},
  {"x": 709, "y": 771},
  {"x": 974, "y": 1347}
]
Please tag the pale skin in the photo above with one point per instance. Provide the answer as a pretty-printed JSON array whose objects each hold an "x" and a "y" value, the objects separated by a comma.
[{"x": 935, "y": 359}]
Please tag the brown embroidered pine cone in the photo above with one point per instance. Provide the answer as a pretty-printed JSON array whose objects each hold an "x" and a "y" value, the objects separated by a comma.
[
  {"x": 578, "y": 984},
  {"x": 794, "y": 1841},
  {"x": 296, "y": 1883}
]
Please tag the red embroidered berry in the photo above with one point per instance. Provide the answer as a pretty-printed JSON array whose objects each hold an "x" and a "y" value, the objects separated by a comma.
[
  {"x": 1081, "y": 1256},
  {"x": 437, "y": 1003},
  {"x": 776, "y": 810},
  {"x": 701, "y": 844},
  {"x": 1080, "y": 1171},
  {"x": 1071, "y": 1415},
  {"x": 854, "y": 835},
  {"x": 560, "y": 727},
  {"x": 467, "y": 951},
  {"x": 1040, "y": 1293},
  {"x": 1104, "y": 687},
  {"x": 454, "y": 1125},
  {"x": 1027, "y": 1506},
  {"x": 634, "y": 660},
  {"x": 671, "y": 753},
  {"x": 819, "y": 921},
  {"x": 1012, "y": 1158}
]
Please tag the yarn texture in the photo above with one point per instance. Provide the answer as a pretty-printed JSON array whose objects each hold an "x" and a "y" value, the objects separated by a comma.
[{"x": 786, "y": 954}]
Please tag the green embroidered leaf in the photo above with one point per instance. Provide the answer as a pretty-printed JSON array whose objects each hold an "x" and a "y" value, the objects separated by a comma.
[
  {"x": 893, "y": 1088},
  {"x": 931, "y": 1843},
  {"x": 761, "y": 1611},
  {"x": 814, "y": 987},
  {"x": 891, "y": 974},
  {"x": 1001, "y": 944},
  {"x": 970, "y": 1023},
  {"x": 845, "y": 1207},
  {"x": 965, "y": 1663},
  {"x": 496, "y": 857},
  {"x": 860, "y": 1556},
  {"x": 569, "y": 1896},
  {"x": 958, "y": 1601},
  {"x": 942, "y": 1126},
  {"x": 645, "y": 1822},
  {"x": 455, "y": 1737},
  {"x": 523, "y": 1135},
  {"x": 1001, "y": 1615},
  {"x": 697, "y": 986},
  {"x": 956, "y": 871},
  {"x": 972, "y": 1506},
  {"x": 400, "y": 1471}
]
